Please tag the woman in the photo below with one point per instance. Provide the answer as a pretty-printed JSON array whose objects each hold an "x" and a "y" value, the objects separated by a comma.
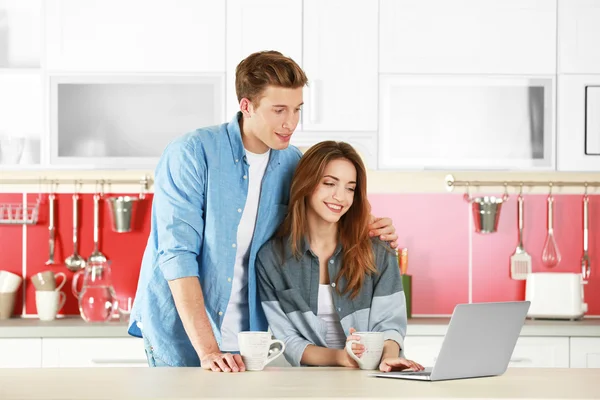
[{"x": 321, "y": 277}]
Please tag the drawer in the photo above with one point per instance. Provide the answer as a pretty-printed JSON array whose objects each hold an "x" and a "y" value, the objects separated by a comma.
[
  {"x": 540, "y": 352},
  {"x": 585, "y": 352},
  {"x": 93, "y": 352},
  {"x": 536, "y": 352},
  {"x": 20, "y": 353}
]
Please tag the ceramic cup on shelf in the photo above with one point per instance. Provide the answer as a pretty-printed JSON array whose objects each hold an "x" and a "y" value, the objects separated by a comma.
[
  {"x": 9, "y": 282},
  {"x": 7, "y": 304},
  {"x": 46, "y": 281},
  {"x": 48, "y": 303}
]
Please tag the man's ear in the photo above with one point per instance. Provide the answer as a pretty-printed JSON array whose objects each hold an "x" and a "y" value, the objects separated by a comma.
[{"x": 246, "y": 107}]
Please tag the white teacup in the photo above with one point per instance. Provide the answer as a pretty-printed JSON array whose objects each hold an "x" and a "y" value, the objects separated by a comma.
[
  {"x": 9, "y": 282},
  {"x": 255, "y": 347},
  {"x": 48, "y": 302},
  {"x": 373, "y": 342}
]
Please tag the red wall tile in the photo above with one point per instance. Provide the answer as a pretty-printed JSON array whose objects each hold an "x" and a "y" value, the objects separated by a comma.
[
  {"x": 491, "y": 253},
  {"x": 434, "y": 228},
  {"x": 11, "y": 247},
  {"x": 124, "y": 250}
]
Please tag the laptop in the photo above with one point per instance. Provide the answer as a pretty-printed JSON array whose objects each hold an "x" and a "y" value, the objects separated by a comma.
[{"x": 480, "y": 340}]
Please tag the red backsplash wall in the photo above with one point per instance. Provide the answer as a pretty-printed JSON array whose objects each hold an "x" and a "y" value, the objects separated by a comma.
[{"x": 450, "y": 263}]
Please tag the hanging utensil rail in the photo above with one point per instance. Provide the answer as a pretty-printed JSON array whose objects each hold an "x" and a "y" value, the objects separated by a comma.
[
  {"x": 26, "y": 213},
  {"x": 451, "y": 183}
]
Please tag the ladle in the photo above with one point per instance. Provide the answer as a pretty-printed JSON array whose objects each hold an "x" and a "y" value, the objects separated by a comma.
[{"x": 75, "y": 262}]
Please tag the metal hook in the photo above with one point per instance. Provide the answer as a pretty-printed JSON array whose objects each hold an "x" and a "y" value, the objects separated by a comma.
[
  {"x": 505, "y": 195},
  {"x": 521, "y": 190},
  {"x": 585, "y": 190},
  {"x": 550, "y": 187},
  {"x": 467, "y": 196}
]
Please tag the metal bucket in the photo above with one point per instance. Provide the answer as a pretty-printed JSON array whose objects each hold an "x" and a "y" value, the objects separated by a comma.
[
  {"x": 122, "y": 212},
  {"x": 486, "y": 213}
]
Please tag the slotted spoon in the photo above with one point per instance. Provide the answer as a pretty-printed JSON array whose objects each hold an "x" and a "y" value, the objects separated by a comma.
[{"x": 520, "y": 261}]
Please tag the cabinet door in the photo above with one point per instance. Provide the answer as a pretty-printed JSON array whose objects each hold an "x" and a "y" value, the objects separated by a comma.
[
  {"x": 578, "y": 142},
  {"x": 93, "y": 352},
  {"x": 20, "y": 33},
  {"x": 468, "y": 36},
  {"x": 578, "y": 33},
  {"x": 423, "y": 349},
  {"x": 541, "y": 352},
  {"x": 21, "y": 118},
  {"x": 126, "y": 121},
  {"x": 340, "y": 59},
  {"x": 365, "y": 143},
  {"x": 20, "y": 353},
  {"x": 256, "y": 25},
  {"x": 585, "y": 352},
  {"x": 135, "y": 35},
  {"x": 476, "y": 122}
]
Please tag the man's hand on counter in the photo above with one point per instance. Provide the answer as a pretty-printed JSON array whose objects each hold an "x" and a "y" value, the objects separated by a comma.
[{"x": 223, "y": 362}]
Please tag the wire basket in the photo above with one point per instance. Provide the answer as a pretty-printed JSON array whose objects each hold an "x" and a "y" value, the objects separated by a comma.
[{"x": 19, "y": 213}]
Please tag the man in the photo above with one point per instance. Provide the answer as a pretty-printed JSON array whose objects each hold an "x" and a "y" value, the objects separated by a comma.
[{"x": 220, "y": 194}]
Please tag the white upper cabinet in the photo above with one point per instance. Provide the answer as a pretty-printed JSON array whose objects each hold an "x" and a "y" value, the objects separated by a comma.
[
  {"x": 20, "y": 33},
  {"x": 579, "y": 36},
  {"x": 474, "y": 122},
  {"x": 135, "y": 35},
  {"x": 340, "y": 59},
  {"x": 256, "y": 25},
  {"x": 468, "y": 36},
  {"x": 21, "y": 119},
  {"x": 578, "y": 142}
]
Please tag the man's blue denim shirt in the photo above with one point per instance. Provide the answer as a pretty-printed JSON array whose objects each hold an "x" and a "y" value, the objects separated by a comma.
[{"x": 200, "y": 184}]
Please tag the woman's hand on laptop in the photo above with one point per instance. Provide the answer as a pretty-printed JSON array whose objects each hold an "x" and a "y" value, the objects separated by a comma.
[{"x": 399, "y": 364}]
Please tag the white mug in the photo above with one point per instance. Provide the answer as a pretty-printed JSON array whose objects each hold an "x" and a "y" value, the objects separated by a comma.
[
  {"x": 373, "y": 342},
  {"x": 255, "y": 347},
  {"x": 9, "y": 282},
  {"x": 48, "y": 303}
]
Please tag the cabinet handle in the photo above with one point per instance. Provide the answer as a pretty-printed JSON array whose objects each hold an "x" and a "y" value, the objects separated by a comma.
[
  {"x": 313, "y": 109},
  {"x": 118, "y": 361},
  {"x": 520, "y": 360}
]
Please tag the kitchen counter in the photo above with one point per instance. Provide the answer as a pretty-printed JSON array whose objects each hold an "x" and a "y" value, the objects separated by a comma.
[
  {"x": 74, "y": 326},
  {"x": 289, "y": 383}
]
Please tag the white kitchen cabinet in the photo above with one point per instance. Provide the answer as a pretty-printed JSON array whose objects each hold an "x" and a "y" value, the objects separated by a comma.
[
  {"x": 585, "y": 352},
  {"x": 257, "y": 25},
  {"x": 468, "y": 36},
  {"x": 579, "y": 36},
  {"x": 467, "y": 122},
  {"x": 135, "y": 35},
  {"x": 21, "y": 118},
  {"x": 534, "y": 352},
  {"x": 127, "y": 121},
  {"x": 540, "y": 352},
  {"x": 20, "y": 33},
  {"x": 20, "y": 353},
  {"x": 365, "y": 143},
  {"x": 340, "y": 60},
  {"x": 93, "y": 352},
  {"x": 578, "y": 139}
]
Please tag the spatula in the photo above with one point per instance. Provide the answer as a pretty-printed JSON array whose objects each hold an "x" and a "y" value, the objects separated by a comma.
[{"x": 520, "y": 261}]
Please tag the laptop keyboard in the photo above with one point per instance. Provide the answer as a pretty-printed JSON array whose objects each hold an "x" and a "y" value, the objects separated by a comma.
[{"x": 419, "y": 373}]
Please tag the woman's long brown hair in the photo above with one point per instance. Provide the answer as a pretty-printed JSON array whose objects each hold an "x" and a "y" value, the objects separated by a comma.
[{"x": 353, "y": 228}]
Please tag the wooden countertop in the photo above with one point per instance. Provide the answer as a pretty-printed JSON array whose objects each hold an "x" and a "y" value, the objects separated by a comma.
[{"x": 289, "y": 383}]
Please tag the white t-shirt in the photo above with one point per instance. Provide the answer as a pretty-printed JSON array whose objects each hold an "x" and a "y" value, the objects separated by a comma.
[
  {"x": 237, "y": 313},
  {"x": 335, "y": 338}
]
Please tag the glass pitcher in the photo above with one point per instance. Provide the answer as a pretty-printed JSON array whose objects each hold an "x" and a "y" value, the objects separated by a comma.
[{"x": 97, "y": 295}]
